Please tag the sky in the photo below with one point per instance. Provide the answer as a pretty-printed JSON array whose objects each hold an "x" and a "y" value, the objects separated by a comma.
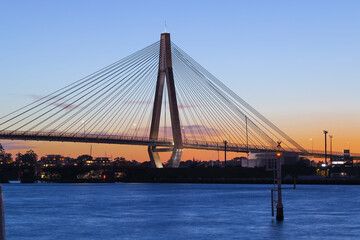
[{"x": 296, "y": 62}]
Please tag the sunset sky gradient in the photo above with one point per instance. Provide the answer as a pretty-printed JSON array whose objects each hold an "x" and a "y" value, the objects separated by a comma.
[{"x": 296, "y": 62}]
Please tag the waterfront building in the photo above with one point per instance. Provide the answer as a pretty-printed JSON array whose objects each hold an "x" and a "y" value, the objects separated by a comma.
[
  {"x": 56, "y": 161},
  {"x": 346, "y": 160},
  {"x": 267, "y": 158},
  {"x": 237, "y": 161},
  {"x": 99, "y": 161},
  {"x": 51, "y": 161},
  {"x": 343, "y": 166}
]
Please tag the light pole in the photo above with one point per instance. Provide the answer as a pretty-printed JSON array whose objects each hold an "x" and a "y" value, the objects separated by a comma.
[
  {"x": 312, "y": 146},
  {"x": 225, "y": 145},
  {"x": 247, "y": 134},
  {"x": 325, "y": 132},
  {"x": 331, "y": 155}
]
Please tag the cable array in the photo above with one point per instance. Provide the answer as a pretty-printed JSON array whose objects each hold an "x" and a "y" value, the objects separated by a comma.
[
  {"x": 212, "y": 112},
  {"x": 117, "y": 102}
]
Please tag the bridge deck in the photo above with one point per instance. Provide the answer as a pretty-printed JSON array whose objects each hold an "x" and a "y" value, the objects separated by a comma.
[{"x": 142, "y": 141}]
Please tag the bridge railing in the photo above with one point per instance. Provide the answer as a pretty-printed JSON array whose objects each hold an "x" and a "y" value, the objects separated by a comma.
[
  {"x": 80, "y": 135},
  {"x": 336, "y": 153},
  {"x": 187, "y": 142}
]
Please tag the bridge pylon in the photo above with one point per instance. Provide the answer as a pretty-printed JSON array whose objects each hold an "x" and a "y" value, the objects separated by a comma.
[{"x": 165, "y": 72}]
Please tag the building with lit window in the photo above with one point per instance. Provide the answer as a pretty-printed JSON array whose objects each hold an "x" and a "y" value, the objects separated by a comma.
[
  {"x": 99, "y": 161},
  {"x": 265, "y": 159},
  {"x": 56, "y": 161}
]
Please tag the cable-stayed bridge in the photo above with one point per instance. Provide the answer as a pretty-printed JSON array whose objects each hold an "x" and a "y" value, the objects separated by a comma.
[{"x": 126, "y": 103}]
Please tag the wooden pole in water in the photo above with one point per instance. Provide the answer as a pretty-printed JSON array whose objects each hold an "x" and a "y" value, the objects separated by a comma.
[
  {"x": 2, "y": 216},
  {"x": 279, "y": 206},
  {"x": 272, "y": 202}
]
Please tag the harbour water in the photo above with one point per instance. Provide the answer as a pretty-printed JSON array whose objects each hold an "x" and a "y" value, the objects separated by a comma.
[{"x": 178, "y": 211}]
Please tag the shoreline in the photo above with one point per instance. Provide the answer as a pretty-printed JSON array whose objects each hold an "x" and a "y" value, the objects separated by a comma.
[{"x": 327, "y": 181}]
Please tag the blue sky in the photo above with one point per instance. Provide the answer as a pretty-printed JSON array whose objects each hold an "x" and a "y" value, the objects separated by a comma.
[{"x": 297, "y": 62}]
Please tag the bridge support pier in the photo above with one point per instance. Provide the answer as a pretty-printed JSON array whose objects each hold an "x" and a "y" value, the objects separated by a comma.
[
  {"x": 174, "y": 161},
  {"x": 165, "y": 72},
  {"x": 154, "y": 158},
  {"x": 175, "y": 158}
]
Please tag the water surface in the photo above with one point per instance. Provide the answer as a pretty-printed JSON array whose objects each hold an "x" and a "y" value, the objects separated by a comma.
[{"x": 178, "y": 211}]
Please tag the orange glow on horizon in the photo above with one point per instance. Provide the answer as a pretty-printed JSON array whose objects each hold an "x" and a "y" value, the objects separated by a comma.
[
  {"x": 138, "y": 153},
  {"x": 304, "y": 130}
]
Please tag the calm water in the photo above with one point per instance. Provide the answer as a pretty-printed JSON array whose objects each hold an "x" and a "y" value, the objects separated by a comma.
[{"x": 178, "y": 211}]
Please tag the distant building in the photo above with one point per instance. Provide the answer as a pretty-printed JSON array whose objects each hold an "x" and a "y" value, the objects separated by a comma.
[
  {"x": 343, "y": 166},
  {"x": 56, "y": 161},
  {"x": 307, "y": 162},
  {"x": 236, "y": 161},
  {"x": 346, "y": 160},
  {"x": 267, "y": 158},
  {"x": 51, "y": 161},
  {"x": 99, "y": 161}
]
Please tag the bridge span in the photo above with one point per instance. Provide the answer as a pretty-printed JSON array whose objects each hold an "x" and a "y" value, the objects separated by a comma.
[
  {"x": 162, "y": 145},
  {"x": 157, "y": 97}
]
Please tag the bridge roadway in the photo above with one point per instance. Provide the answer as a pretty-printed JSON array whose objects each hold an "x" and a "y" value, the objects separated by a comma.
[{"x": 145, "y": 141}]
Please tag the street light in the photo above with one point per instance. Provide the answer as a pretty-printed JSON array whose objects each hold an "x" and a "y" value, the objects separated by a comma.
[
  {"x": 331, "y": 155},
  {"x": 225, "y": 146},
  {"x": 325, "y": 132},
  {"x": 312, "y": 146}
]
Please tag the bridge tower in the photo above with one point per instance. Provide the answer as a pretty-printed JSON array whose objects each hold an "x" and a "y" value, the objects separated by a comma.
[{"x": 165, "y": 72}]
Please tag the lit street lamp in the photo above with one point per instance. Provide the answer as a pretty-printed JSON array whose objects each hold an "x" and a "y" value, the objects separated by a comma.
[
  {"x": 225, "y": 146},
  {"x": 331, "y": 155},
  {"x": 325, "y": 132}
]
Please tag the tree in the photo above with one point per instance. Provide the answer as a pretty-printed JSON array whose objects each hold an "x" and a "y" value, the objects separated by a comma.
[
  {"x": 29, "y": 158},
  {"x": 83, "y": 158},
  {"x": 5, "y": 158},
  {"x": 120, "y": 159}
]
